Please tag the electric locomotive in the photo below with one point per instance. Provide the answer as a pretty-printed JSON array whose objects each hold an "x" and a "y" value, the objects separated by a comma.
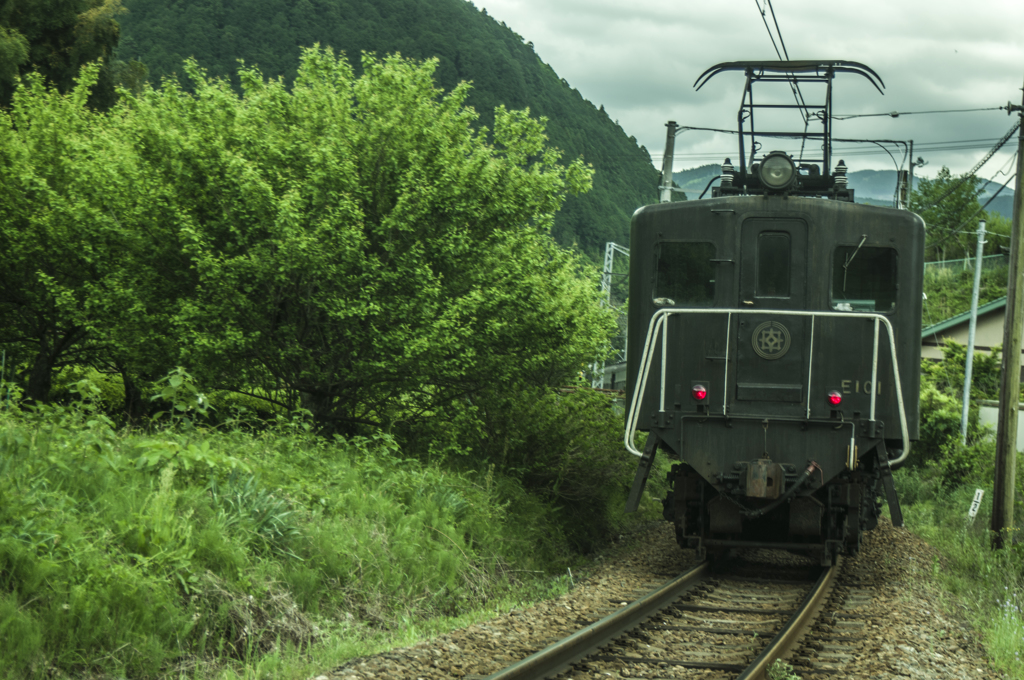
[{"x": 774, "y": 344}]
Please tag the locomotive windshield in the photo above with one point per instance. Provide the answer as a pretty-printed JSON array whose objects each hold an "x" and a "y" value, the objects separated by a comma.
[
  {"x": 686, "y": 275},
  {"x": 864, "y": 279},
  {"x": 773, "y": 264}
]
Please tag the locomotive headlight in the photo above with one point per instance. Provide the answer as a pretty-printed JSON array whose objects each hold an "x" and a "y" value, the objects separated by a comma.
[
  {"x": 834, "y": 398},
  {"x": 777, "y": 171}
]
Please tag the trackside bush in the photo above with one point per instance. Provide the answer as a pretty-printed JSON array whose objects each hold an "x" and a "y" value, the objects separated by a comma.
[{"x": 564, "y": 445}]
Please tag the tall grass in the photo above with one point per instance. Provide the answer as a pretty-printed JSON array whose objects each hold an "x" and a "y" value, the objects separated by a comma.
[
  {"x": 990, "y": 582},
  {"x": 197, "y": 552}
]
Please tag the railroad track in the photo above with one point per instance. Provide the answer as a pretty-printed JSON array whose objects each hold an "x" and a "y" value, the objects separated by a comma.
[{"x": 724, "y": 625}]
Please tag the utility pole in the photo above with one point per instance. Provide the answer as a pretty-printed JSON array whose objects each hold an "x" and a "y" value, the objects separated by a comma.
[
  {"x": 971, "y": 329},
  {"x": 910, "y": 173},
  {"x": 1009, "y": 386},
  {"x": 666, "y": 163},
  {"x": 597, "y": 381}
]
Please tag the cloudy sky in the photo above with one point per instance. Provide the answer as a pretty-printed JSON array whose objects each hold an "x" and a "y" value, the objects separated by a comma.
[{"x": 640, "y": 58}]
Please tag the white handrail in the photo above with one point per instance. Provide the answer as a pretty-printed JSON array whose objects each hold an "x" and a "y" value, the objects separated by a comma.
[{"x": 659, "y": 322}]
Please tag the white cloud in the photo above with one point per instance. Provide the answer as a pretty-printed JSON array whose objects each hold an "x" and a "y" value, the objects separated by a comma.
[{"x": 640, "y": 59}]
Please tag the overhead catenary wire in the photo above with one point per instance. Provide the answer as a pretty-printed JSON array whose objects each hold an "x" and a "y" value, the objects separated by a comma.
[
  {"x": 897, "y": 114},
  {"x": 924, "y": 147},
  {"x": 798, "y": 96},
  {"x": 805, "y": 111},
  {"x": 795, "y": 87},
  {"x": 877, "y": 142}
]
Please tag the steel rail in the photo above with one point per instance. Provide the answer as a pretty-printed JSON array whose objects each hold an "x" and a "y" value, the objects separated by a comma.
[
  {"x": 786, "y": 639},
  {"x": 558, "y": 656}
]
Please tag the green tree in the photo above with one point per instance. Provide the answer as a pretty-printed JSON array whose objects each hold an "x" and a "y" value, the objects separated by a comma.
[
  {"x": 91, "y": 268},
  {"x": 353, "y": 245},
  {"x": 951, "y": 210},
  {"x": 360, "y": 245},
  {"x": 55, "y": 38},
  {"x": 59, "y": 236}
]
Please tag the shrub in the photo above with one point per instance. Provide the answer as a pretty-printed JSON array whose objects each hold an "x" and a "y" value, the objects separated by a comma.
[{"x": 564, "y": 445}]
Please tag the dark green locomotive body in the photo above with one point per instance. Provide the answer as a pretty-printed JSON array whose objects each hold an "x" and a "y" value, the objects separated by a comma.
[{"x": 774, "y": 350}]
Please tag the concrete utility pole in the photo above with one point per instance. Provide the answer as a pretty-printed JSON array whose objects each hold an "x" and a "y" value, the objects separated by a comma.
[
  {"x": 971, "y": 329},
  {"x": 1009, "y": 386},
  {"x": 910, "y": 173},
  {"x": 666, "y": 163}
]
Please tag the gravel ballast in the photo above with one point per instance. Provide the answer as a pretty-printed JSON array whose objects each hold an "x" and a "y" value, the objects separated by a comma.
[{"x": 909, "y": 631}]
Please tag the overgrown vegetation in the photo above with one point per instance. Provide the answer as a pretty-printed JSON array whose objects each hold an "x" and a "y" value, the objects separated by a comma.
[
  {"x": 192, "y": 550},
  {"x": 948, "y": 291},
  {"x": 936, "y": 493},
  {"x": 287, "y": 371},
  {"x": 56, "y": 38},
  {"x": 352, "y": 245},
  {"x": 990, "y": 582}
]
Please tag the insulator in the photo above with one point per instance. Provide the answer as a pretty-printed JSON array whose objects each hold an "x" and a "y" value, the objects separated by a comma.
[
  {"x": 727, "y": 171},
  {"x": 840, "y": 177}
]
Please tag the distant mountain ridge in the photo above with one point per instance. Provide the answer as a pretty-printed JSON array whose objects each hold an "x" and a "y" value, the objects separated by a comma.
[
  {"x": 875, "y": 187},
  {"x": 469, "y": 44}
]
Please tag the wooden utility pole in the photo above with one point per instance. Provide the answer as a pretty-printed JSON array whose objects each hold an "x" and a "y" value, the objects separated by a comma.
[{"x": 1009, "y": 386}]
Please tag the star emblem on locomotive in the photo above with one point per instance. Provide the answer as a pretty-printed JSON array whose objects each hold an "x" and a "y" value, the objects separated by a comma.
[{"x": 770, "y": 340}]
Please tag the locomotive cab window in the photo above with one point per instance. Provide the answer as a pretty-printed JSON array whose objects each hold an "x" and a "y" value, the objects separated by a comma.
[
  {"x": 685, "y": 274},
  {"x": 773, "y": 264},
  {"x": 864, "y": 279}
]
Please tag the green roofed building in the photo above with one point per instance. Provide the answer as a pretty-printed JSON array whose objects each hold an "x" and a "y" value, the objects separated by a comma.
[{"x": 987, "y": 335}]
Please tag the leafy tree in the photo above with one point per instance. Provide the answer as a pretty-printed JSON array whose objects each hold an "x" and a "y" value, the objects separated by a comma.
[
  {"x": 951, "y": 210},
  {"x": 55, "y": 38},
  {"x": 354, "y": 245},
  {"x": 58, "y": 238},
  {"x": 359, "y": 244}
]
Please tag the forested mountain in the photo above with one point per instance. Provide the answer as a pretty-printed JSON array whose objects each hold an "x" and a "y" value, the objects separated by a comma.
[{"x": 469, "y": 44}]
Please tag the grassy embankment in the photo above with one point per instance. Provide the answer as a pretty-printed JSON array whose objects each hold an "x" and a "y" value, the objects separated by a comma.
[
  {"x": 233, "y": 553},
  {"x": 937, "y": 493},
  {"x": 989, "y": 583}
]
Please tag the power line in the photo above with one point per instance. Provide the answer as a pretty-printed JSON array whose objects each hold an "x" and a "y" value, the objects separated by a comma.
[
  {"x": 938, "y": 145},
  {"x": 969, "y": 175},
  {"x": 897, "y": 114},
  {"x": 798, "y": 96},
  {"x": 977, "y": 212},
  {"x": 958, "y": 229}
]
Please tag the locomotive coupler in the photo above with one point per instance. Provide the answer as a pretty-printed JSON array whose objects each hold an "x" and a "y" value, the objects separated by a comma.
[{"x": 765, "y": 479}]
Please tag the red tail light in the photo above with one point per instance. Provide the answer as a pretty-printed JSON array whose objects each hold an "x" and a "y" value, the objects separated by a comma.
[
  {"x": 835, "y": 398},
  {"x": 699, "y": 392}
]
